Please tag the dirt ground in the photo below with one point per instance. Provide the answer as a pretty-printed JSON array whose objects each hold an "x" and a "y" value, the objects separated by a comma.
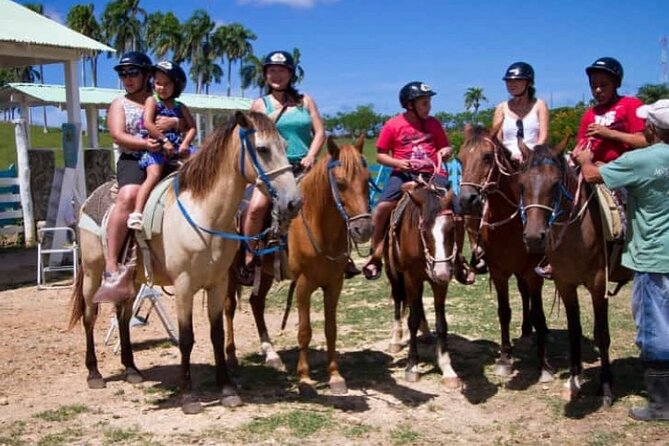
[{"x": 44, "y": 398}]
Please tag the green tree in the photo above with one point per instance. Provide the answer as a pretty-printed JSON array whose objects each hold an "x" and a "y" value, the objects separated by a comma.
[
  {"x": 81, "y": 18},
  {"x": 251, "y": 73},
  {"x": 122, "y": 22},
  {"x": 362, "y": 120},
  {"x": 473, "y": 98},
  {"x": 234, "y": 43},
  {"x": 649, "y": 93},
  {"x": 299, "y": 71},
  {"x": 197, "y": 48},
  {"x": 163, "y": 34}
]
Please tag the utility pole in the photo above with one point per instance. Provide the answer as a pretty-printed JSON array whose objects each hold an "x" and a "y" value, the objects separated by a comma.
[{"x": 663, "y": 60}]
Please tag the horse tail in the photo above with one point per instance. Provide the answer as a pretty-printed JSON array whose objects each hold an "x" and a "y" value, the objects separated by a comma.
[
  {"x": 77, "y": 301},
  {"x": 289, "y": 302}
]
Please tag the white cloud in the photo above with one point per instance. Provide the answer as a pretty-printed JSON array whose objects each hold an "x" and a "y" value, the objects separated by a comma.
[{"x": 291, "y": 3}]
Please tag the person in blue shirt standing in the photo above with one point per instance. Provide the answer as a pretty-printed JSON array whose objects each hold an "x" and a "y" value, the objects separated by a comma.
[{"x": 645, "y": 175}]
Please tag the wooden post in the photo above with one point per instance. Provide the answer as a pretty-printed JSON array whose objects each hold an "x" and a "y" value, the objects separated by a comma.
[
  {"x": 209, "y": 127},
  {"x": 92, "y": 126},
  {"x": 74, "y": 117},
  {"x": 25, "y": 192}
]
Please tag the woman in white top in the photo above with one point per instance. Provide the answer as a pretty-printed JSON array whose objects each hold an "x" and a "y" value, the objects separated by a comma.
[{"x": 523, "y": 115}]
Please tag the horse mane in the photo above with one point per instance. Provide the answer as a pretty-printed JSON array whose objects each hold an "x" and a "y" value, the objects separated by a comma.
[
  {"x": 315, "y": 184},
  {"x": 475, "y": 135},
  {"x": 198, "y": 172},
  {"x": 543, "y": 153}
]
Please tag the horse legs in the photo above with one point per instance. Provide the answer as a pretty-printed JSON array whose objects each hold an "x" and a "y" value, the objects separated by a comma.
[
  {"x": 396, "y": 332},
  {"x": 570, "y": 299},
  {"x": 600, "y": 306},
  {"x": 184, "y": 300},
  {"x": 503, "y": 364},
  {"x": 414, "y": 293},
  {"x": 229, "y": 309},
  {"x": 449, "y": 378},
  {"x": 525, "y": 297},
  {"x": 330, "y": 300},
  {"x": 537, "y": 318},
  {"x": 258, "y": 306},
  {"x": 303, "y": 290},
  {"x": 90, "y": 284},
  {"x": 123, "y": 316}
]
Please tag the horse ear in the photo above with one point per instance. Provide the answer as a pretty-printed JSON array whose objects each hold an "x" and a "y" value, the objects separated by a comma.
[
  {"x": 559, "y": 147},
  {"x": 524, "y": 149},
  {"x": 242, "y": 120},
  {"x": 333, "y": 148},
  {"x": 409, "y": 187},
  {"x": 468, "y": 131},
  {"x": 360, "y": 142}
]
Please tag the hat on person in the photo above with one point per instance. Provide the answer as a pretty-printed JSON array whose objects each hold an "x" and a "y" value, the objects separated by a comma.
[{"x": 657, "y": 113}]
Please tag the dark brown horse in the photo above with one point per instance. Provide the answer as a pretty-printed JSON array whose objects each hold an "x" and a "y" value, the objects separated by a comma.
[
  {"x": 335, "y": 213},
  {"x": 419, "y": 247},
  {"x": 490, "y": 189},
  {"x": 562, "y": 220}
]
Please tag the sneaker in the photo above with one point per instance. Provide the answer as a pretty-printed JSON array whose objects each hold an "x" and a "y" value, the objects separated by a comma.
[
  {"x": 545, "y": 271},
  {"x": 136, "y": 221}
]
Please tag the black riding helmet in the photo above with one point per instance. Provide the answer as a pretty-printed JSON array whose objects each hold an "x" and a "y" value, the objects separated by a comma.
[
  {"x": 414, "y": 90},
  {"x": 175, "y": 73},
  {"x": 282, "y": 58},
  {"x": 519, "y": 70},
  {"x": 134, "y": 59},
  {"x": 608, "y": 65}
]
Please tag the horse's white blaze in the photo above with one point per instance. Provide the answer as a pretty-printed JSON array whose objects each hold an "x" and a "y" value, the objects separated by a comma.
[
  {"x": 444, "y": 360},
  {"x": 440, "y": 267}
]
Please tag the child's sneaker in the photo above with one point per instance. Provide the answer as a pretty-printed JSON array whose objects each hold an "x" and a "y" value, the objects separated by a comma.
[{"x": 135, "y": 221}]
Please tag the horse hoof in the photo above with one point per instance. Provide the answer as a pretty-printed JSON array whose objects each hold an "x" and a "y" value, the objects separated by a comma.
[
  {"x": 412, "y": 377},
  {"x": 229, "y": 397},
  {"x": 394, "y": 348},
  {"x": 546, "y": 377},
  {"x": 502, "y": 369},
  {"x": 338, "y": 387},
  {"x": 232, "y": 362},
  {"x": 132, "y": 376},
  {"x": 190, "y": 405},
  {"x": 96, "y": 383},
  {"x": 276, "y": 363},
  {"x": 307, "y": 390},
  {"x": 451, "y": 383}
]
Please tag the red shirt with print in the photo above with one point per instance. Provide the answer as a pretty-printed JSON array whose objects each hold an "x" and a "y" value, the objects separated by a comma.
[
  {"x": 620, "y": 116},
  {"x": 413, "y": 141}
]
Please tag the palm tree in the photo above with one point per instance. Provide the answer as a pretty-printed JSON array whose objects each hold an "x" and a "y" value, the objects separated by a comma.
[
  {"x": 196, "y": 47},
  {"x": 473, "y": 98},
  {"x": 233, "y": 42},
  {"x": 81, "y": 18},
  {"x": 163, "y": 33},
  {"x": 299, "y": 71},
  {"x": 251, "y": 73},
  {"x": 122, "y": 22}
]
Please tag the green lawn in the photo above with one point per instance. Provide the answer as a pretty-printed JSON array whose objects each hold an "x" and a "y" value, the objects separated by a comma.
[{"x": 40, "y": 140}]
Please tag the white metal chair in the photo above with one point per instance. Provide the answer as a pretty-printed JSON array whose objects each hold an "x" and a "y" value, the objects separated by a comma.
[
  {"x": 155, "y": 301},
  {"x": 45, "y": 263}
]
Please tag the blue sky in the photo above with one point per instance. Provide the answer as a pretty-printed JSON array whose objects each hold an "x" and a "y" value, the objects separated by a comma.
[{"x": 362, "y": 51}]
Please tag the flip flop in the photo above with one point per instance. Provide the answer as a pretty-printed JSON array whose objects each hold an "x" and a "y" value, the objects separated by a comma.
[
  {"x": 465, "y": 274},
  {"x": 372, "y": 270},
  {"x": 351, "y": 270}
]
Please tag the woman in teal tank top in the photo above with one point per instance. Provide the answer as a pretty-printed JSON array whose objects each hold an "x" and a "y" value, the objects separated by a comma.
[{"x": 298, "y": 121}]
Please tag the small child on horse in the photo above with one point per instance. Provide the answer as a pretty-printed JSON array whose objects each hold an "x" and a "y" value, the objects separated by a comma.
[
  {"x": 414, "y": 144},
  {"x": 169, "y": 83}
]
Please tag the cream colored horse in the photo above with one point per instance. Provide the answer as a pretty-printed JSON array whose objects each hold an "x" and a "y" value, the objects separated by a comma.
[{"x": 190, "y": 258}]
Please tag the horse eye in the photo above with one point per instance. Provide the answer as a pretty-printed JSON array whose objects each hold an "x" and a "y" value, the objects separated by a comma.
[
  {"x": 262, "y": 149},
  {"x": 341, "y": 183},
  {"x": 487, "y": 158}
]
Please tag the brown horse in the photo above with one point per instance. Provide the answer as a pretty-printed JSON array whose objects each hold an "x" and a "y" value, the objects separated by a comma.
[
  {"x": 335, "y": 211},
  {"x": 419, "y": 247},
  {"x": 490, "y": 189},
  {"x": 194, "y": 249},
  {"x": 563, "y": 221}
]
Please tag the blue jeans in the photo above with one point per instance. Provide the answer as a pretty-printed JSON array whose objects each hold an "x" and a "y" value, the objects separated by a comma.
[{"x": 650, "y": 307}]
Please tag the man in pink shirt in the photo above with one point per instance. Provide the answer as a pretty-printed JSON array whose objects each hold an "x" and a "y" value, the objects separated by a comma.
[{"x": 411, "y": 143}]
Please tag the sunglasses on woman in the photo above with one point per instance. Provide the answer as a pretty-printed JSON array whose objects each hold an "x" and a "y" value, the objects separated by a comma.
[
  {"x": 134, "y": 72},
  {"x": 521, "y": 130}
]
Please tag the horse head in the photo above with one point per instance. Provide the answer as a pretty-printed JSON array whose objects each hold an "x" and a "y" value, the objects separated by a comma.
[
  {"x": 436, "y": 226},
  {"x": 481, "y": 155},
  {"x": 263, "y": 160},
  {"x": 542, "y": 191},
  {"x": 349, "y": 182}
]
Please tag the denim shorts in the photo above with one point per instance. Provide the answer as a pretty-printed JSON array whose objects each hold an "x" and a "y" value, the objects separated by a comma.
[
  {"x": 393, "y": 187},
  {"x": 650, "y": 307}
]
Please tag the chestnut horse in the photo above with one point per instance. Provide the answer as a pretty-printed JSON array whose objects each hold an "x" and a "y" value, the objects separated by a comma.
[
  {"x": 562, "y": 220},
  {"x": 490, "y": 190},
  {"x": 194, "y": 249},
  {"x": 419, "y": 247},
  {"x": 335, "y": 212}
]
